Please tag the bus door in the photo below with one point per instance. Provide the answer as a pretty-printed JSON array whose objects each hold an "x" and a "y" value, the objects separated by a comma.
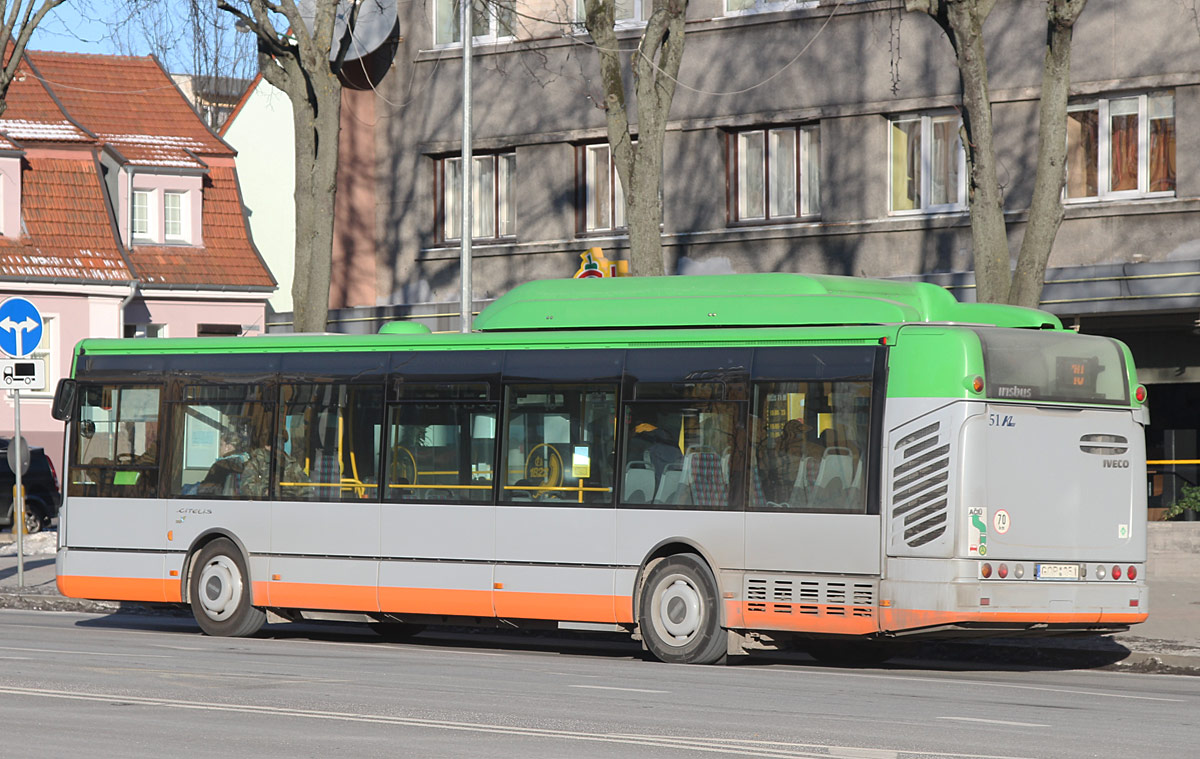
[
  {"x": 113, "y": 498},
  {"x": 555, "y": 522},
  {"x": 438, "y": 520}
]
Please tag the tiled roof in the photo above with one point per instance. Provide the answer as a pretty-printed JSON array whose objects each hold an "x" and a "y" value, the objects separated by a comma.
[
  {"x": 129, "y": 101},
  {"x": 68, "y": 234},
  {"x": 226, "y": 257},
  {"x": 131, "y": 105}
]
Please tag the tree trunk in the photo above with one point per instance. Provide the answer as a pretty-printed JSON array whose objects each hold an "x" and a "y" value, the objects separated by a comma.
[
  {"x": 655, "y": 68},
  {"x": 1046, "y": 210},
  {"x": 963, "y": 23}
]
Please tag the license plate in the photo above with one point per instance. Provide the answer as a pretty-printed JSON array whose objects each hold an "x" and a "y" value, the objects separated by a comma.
[{"x": 1057, "y": 571}]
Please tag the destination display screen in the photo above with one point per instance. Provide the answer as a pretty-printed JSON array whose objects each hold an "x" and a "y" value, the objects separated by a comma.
[{"x": 1025, "y": 365}]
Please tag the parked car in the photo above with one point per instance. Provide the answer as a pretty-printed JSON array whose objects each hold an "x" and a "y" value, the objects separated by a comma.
[{"x": 42, "y": 495}]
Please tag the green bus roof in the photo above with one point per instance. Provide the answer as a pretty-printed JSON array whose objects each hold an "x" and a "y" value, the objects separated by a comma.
[{"x": 739, "y": 300}]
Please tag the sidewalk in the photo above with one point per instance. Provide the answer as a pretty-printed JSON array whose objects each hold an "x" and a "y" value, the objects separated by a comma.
[{"x": 1169, "y": 642}]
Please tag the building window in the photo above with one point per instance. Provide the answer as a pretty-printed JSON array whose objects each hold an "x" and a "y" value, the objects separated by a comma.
[
  {"x": 493, "y": 21},
  {"x": 602, "y": 194},
  {"x": 739, "y": 7},
  {"x": 142, "y": 205},
  {"x": 775, "y": 173},
  {"x": 929, "y": 165},
  {"x": 493, "y": 211},
  {"x": 174, "y": 216},
  {"x": 626, "y": 13},
  {"x": 1121, "y": 147}
]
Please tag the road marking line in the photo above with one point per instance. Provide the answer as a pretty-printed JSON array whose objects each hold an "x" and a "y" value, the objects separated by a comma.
[
  {"x": 995, "y": 721},
  {"x": 975, "y": 683},
  {"x": 610, "y": 687},
  {"x": 82, "y": 653},
  {"x": 683, "y": 743}
]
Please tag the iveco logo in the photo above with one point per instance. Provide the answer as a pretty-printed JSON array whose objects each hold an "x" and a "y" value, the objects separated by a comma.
[{"x": 1116, "y": 464}]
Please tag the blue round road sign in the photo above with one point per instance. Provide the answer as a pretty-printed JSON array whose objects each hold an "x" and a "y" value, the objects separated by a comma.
[{"x": 20, "y": 327}]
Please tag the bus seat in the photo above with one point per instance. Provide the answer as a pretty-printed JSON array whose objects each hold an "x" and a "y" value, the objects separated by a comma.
[
  {"x": 668, "y": 485},
  {"x": 639, "y": 483},
  {"x": 703, "y": 480},
  {"x": 838, "y": 462}
]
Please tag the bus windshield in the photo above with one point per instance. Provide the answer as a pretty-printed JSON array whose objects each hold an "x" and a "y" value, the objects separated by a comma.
[{"x": 1053, "y": 366}]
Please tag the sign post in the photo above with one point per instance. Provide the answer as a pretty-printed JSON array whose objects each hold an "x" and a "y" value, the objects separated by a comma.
[{"x": 20, "y": 334}]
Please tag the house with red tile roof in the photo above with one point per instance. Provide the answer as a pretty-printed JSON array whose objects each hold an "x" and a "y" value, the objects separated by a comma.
[{"x": 120, "y": 215}]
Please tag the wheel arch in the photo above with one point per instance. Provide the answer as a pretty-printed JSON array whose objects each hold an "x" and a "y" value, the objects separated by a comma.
[
  {"x": 198, "y": 544},
  {"x": 670, "y": 547}
]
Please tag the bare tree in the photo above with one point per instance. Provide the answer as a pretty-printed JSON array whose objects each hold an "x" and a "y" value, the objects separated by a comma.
[
  {"x": 995, "y": 280},
  {"x": 17, "y": 26},
  {"x": 298, "y": 54},
  {"x": 191, "y": 37},
  {"x": 654, "y": 68}
]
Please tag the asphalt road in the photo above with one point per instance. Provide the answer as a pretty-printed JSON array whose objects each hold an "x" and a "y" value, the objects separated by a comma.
[{"x": 129, "y": 686}]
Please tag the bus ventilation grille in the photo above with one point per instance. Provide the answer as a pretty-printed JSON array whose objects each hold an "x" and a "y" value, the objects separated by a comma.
[
  {"x": 920, "y": 485},
  {"x": 831, "y": 598}
]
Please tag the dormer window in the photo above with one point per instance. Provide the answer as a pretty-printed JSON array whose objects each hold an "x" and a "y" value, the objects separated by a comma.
[
  {"x": 174, "y": 219},
  {"x": 141, "y": 225},
  {"x": 164, "y": 210}
]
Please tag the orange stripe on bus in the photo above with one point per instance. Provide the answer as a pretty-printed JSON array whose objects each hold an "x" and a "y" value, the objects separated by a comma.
[
  {"x": 460, "y": 603},
  {"x": 306, "y": 595},
  {"x": 119, "y": 588},
  {"x": 572, "y": 607},
  {"x": 842, "y": 620}
]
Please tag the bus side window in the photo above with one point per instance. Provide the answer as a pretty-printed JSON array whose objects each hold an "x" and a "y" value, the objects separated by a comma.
[
  {"x": 808, "y": 446},
  {"x": 116, "y": 442},
  {"x": 441, "y": 443},
  {"x": 215, "y": 429},
  {"x": 560, "y": 443},
  {"x": 683, "y": 446},
  {"x": 327, "y": 442}
]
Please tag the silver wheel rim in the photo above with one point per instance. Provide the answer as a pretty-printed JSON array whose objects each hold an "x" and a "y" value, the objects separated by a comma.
[
  {"x": 220, "y": 588},
  {"x": 677, "y": 611}
]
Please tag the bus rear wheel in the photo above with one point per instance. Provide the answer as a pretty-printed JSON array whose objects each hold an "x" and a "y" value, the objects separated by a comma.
[
  {"x": 679, "y": 613},
  {"x": 220, "y": 592}
]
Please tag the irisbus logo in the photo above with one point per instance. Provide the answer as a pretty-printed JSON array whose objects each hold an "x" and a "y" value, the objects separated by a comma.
[{"x": 1116, "y": 464}]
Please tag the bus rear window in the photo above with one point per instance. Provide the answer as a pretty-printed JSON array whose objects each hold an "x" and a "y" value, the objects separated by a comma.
[{"x": 1024, "y": 365}]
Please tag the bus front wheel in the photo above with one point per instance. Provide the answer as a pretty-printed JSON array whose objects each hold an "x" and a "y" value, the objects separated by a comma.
[
  {"x": 680, "y": 617},
  {"x": 220, "y": 592}
]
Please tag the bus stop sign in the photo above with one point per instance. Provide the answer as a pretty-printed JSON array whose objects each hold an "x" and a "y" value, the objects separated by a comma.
[
  {"x": 18, "y": 445},
  {"x": 20, "y": 327}
]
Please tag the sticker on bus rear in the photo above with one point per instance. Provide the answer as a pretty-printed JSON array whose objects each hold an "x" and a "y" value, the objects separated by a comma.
[{"x": 977, "y": 530}]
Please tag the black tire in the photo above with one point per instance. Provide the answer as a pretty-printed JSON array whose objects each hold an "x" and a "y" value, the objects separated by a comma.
[
  {"x": 680, "y": 614},
  {"x": 219, "y": 591},
  {"x": 33, "y": 522},
  {"x": 850, "y": 653},
  {"x": 396, "y": 632}
]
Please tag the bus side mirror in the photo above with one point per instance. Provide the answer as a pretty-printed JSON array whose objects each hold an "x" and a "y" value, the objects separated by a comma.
[{"x": 64, "y": 400}]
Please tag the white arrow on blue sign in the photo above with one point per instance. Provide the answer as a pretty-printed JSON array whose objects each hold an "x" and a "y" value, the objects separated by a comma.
[{"x": 20, "y": 327}]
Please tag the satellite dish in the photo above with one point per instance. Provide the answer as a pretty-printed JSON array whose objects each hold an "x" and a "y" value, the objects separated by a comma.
[{"x": 376, "y": 20}]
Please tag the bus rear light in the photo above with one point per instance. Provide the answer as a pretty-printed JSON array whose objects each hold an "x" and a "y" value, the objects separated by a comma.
[
  {"x": 985, "y": 569},
  {"x": 1100, "y": 573},
  {"x": 1140, "y": 393},
  {"x": 1019, "y": 571},
  {"x": 1116, "y": 572},
  {"x": 977, "y": 384},
  {"x": 985, "y": 602},
  {"x": 1002, "y": 571},
  {"x": 1131, "y": 573},
  {"x": 1133, "y": 602}
]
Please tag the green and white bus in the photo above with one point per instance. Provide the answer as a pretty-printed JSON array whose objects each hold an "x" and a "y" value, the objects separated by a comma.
[{"x": 715, "y": 464}]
